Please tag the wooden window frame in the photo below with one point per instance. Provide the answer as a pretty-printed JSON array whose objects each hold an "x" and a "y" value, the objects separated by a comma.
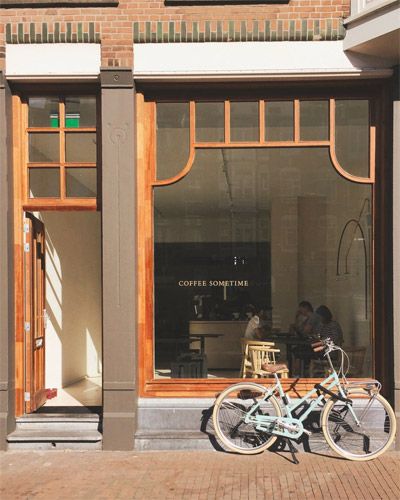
[
  {"x": 146, "y": 99},
  {"x": 21, "y": 203},
  {"x": 62, "y": 201}
]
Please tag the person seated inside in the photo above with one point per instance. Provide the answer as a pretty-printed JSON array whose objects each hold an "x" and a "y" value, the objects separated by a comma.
[
  {"x": 306, "y": 321},
  {"x": 259, "y": 325},
  {"x": 305, "y": 326},
  {"x": 324, "y": 327},
  {"x": 328, "y": 327}
]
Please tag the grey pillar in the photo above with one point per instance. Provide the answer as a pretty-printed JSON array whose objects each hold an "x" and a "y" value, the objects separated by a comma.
[
  {"x": 118, "y": 243},
  {"x": 7, "y": 342},
  {"x": 396, "y": 246}
]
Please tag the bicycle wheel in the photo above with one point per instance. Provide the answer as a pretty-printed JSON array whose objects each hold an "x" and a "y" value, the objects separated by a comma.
[
  {"x": 361, "y": 442},
  {"x": 229, "y": 418}
]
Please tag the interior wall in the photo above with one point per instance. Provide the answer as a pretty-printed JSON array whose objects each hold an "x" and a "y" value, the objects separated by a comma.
[{"x": 73, "y": 296}]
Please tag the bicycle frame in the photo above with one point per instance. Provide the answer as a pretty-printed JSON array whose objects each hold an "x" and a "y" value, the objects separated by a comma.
[{"x": 288, "y": 426}]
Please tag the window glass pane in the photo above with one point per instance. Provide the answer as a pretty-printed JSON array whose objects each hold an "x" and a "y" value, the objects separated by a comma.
[
  {"x": 44, "y": 182},
  {"x": 44, "y": 147},
  {"x": 80, "y": 147},
  {"x": 80, "y": 112},
  {"x": 314, "y": 118},
  {"x": 352, "y": 136},
  {"x": 81, "y": 182},
  {"x": 279, "y": 120},
  {"x": 43, "y": 112},
  {"x": 172, "y": 138},
  {"x": 259, "y": 229},
  {"x": 244, "y": 121},
  {"x": 210, "y": 119}
]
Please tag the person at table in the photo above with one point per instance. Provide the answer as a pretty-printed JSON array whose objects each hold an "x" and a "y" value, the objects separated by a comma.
[
  {"x": 258, "y": 326},
  {"x": 306, "y": 321},
  {"x": 305, "y": 326},
  {"x": 328, "y": 327}
]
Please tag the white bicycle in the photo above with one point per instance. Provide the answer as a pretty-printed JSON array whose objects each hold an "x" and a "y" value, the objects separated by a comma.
[{"x": 357, "y": 422}]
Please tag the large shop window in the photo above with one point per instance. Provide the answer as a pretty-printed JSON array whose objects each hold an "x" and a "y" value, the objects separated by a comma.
[
  {"x": 258, "y": 207},
  {"x": 60, "y": 161}
]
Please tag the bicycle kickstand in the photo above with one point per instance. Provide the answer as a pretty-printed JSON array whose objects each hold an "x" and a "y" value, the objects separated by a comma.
[{"x": 293, "y": 451}]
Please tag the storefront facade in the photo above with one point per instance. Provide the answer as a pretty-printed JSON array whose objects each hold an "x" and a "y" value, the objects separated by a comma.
[{"x": 155, "y": 187}]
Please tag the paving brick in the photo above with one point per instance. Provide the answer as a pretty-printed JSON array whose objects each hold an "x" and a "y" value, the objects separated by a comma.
[{"x": 195, "y": 475}]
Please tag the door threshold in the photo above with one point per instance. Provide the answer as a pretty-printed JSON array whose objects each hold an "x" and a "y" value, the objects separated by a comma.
[{"x": 72, "y": 410}]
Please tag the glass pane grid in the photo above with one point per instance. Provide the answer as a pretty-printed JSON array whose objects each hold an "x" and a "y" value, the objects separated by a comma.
[
  {"x": 61, "y": 148},
  {"x": 244, "y": 123},
  {"x": 279, "y": 121},
  {"x": 210, "y": 122}
]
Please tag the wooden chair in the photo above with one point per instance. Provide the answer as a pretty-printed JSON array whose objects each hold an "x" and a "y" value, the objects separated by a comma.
[
  {"x": 356, "y": 360},
  {"x": 261, "y": 355},
  {"x": 320, "y": 367},
  {"x": 246, "y": 361}
]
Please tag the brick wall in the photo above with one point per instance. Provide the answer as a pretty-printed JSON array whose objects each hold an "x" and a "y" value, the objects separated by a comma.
[{"x": 142, "y": 21}]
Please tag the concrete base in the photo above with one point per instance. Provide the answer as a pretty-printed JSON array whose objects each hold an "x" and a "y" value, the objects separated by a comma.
[
  {"x": 55, "y": 445},
  {"x": 56, "y": 431},
  {"x": 186, "y": 424},
  {"x": 173, "y": 440}
]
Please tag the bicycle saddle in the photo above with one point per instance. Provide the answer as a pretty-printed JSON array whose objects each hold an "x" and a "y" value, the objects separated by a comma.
[{"x": 273, "y": 368}]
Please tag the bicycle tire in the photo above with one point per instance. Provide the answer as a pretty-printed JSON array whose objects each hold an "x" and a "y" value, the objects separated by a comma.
[
  {"x": 371, "y": 439},
  {"x": 229, "y": 410}
]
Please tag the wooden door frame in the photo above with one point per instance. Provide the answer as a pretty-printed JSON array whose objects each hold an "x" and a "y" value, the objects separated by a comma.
[
  {"x": 21, "y": 204},
  {"x": 373, "y": 90},
  {"x": 35, "y": 294}
]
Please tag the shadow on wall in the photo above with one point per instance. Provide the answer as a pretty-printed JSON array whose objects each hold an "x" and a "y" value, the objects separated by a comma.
[{"x": 73, "y": 296}]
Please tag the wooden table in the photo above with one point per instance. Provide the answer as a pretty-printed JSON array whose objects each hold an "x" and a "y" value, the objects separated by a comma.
[{"x": 202, "y": 338}]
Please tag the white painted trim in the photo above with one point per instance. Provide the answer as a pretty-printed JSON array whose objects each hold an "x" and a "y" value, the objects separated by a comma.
[
  {"x": 252, "y": 60},
  {"x": 53, "y": 60},
  {"x": 371, "y": 11}
]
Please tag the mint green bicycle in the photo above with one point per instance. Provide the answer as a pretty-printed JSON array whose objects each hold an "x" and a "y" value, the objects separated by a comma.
[{"x": 357, "y": 422}]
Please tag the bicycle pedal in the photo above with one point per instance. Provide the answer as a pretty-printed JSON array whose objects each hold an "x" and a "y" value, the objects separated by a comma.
[{"x": 309, "y": 433}]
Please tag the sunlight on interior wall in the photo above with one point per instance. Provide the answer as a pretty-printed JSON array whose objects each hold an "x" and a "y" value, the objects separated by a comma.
[{"x": 73, "y": 297}]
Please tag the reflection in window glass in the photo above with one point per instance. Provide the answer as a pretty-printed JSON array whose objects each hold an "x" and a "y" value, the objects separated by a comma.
[
  {"x": 352, "y": 136},
  {"x": 210, "y": 121},
  {"x": 44, "y": 182},
  {"x": 81, "y": 182},
  {"x": 172, "y": 138},
  {"x": 43, "y": 112},
  {"x": 80, "y": 112},
  {"x": 314, "y": 120},
  {"x": 44, "y": 147},
  {"x": 244, "y": 121},
  {"x": 279, "y": 121},
  {"x": 80, "y": 147},
  {"x": 250, "y": 230}
]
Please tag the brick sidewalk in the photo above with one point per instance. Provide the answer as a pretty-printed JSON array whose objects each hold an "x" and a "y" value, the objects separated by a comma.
[{"x": 195, "y": 474}]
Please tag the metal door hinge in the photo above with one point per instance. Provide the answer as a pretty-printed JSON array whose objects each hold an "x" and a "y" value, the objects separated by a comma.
[
  {"x": 26, "y": 227},
  {"x": 27, "y": 247},
  {"x": 27, "y": 326},
  {"x": 27, "y": 396}
]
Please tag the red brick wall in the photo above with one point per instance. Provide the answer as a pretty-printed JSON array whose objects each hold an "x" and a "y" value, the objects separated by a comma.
[{"x": 114, "y": 26}]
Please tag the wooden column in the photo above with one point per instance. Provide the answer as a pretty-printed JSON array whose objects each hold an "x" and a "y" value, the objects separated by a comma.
[
  {"x": 7, "y": 371},
  {"x": 119, "y": 260}
]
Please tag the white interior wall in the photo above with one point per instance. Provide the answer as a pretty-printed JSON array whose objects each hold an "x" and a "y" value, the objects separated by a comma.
[{"x": 73, "y": 296}]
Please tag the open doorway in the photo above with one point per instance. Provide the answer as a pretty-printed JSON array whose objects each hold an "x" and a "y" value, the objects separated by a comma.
[{"x": 72, "y": 358}]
